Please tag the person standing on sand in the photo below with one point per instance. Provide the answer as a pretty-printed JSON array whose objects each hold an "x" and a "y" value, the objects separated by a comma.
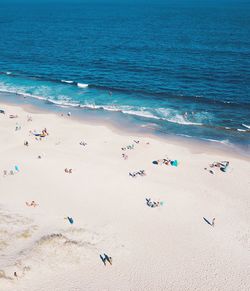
[{"x": 213, "y": 221}]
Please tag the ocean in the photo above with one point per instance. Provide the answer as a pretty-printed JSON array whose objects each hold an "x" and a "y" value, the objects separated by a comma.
[{"x": 178, "y": 69}]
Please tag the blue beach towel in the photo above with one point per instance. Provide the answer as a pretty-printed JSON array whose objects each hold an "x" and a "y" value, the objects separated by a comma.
[{"x": 174, "y": 163}]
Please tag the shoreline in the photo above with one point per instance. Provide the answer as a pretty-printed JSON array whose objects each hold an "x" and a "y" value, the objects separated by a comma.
[{"x": 194, "y": 144}]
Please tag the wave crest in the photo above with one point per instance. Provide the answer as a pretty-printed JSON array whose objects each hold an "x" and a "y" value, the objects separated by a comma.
[{"x": 82, "y": 85}]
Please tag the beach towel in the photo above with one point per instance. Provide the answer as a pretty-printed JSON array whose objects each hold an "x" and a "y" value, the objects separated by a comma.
[{"x": 174, "y": 163}]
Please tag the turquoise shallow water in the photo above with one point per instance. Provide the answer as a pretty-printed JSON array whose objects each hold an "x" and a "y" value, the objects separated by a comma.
[{"x": 180, "y": 69}]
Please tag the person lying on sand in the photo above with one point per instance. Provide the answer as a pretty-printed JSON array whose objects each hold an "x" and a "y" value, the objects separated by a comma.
[
  {"x": 32, "y": 204},
  {"x": 13, "y": 116}
]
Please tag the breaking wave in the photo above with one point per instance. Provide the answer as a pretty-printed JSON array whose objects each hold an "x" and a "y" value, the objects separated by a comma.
[
  {"x": 160, "y": 114},
  {"x": 81, "y": 85},
  {"x": 68, "y": 82},
  {"x": 245, "y": 125}
]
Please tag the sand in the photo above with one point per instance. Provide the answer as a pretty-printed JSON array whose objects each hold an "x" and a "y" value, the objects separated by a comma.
[{"x": 169, "y": 247}]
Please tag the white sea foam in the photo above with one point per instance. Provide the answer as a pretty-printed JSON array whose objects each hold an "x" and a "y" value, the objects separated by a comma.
[
  {"x": 239, "y": 129},
  {"x": 165, "y": 114},
  {"x": 185, "y": 135},
  {"x": 141, "y": 113},
  {"x": 245, "y": 125},
  {"x": 174, "y": 116},
  {"x": 81, "y": 85},
  {"x": 66, "y": 81},
  {"x": 225, "y": 141}
]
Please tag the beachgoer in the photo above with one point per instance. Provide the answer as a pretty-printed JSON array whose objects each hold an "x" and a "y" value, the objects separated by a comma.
[
  {"x": 66, "y": 170},
  {"x": 32, "y": 204},
  {"x": 109, "y": 259},
  {"x": 70, "y": 219},
  {"x": 124, "y": 156},
  {"x": 213, "y": 222},
  {"x": 103, "y": 260}
]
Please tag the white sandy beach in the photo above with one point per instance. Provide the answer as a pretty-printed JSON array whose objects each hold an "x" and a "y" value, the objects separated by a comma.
[{"x": 169, "y": 247}]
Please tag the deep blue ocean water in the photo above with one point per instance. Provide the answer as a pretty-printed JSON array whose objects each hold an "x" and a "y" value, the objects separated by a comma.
[{"x": 180, "y": 69}]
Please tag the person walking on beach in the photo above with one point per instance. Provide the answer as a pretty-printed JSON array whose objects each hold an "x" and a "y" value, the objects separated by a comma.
[{"x": 213, "y": 222}]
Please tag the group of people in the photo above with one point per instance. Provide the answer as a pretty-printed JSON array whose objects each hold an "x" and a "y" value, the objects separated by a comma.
[
  {"x": 140, "y": 173},
  {"x": 129, "y": 147},
  {"x": 223, "y": 166},
  {"x": 69, "y": 171},
  {"x": 166, "y": 161},
  {"x": 105, "y": 258},
  {"x": 83, "y": 143},
  {"x": 11, "y": 172},
  {"x": 43, "y": 134},
  {"x": 153, "y": 204},
  {"x": 32, "y": 204}
]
